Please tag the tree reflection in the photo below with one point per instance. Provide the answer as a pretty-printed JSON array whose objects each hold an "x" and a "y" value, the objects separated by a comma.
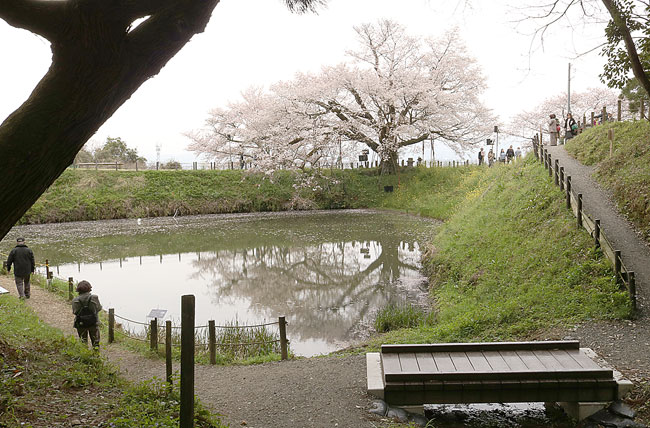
[{"x": 325, "y": 290}]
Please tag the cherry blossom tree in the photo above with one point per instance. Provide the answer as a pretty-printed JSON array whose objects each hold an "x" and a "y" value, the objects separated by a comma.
[
  {"x": 583, "y": 104},
  {"x": 397, "y": 90},
  {"x": 99, "y": 59}
]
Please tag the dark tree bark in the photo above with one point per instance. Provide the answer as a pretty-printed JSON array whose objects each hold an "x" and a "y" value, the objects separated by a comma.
[{"x": 97, "y": 64}]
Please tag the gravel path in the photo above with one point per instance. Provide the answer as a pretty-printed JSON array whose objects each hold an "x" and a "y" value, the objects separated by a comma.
[
  {"x": 311, "y": 392},
  {"x": 625, "y": 344}
]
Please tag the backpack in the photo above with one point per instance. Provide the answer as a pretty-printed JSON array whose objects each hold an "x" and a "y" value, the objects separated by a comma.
[
  {"x": 574, "y": 129},
  {"x": 86, "y": 317}
]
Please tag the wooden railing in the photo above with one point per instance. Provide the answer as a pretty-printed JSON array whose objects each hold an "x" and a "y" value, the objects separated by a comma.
[{"x": 624, "y": 277}]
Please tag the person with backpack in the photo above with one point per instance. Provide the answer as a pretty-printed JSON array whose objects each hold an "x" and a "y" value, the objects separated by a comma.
[
  {"x": 22, "y": 258},
  {"x": 85, "y": 307},
  {"x": 570, "y": 127}
]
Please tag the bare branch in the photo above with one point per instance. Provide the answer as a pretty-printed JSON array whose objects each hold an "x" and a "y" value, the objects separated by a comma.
[{"x": 41, "y": 17}]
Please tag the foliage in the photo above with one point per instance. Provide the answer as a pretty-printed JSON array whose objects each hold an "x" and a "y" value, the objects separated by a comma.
[
  {"x": 635, "y": 94},
  {"x": 582, "y": 105},
  {"x": 172, "y": 164},
  {"x": 155, "y": 403},
  {"x": 116, "y": 150},
  {"x": 396, "y": 90},
  {"x": 627, "y": 16},
  {"x": 401, "y": 315},
  {"x": 626, "y": 173},
  {"x": 510, "y": 264}
]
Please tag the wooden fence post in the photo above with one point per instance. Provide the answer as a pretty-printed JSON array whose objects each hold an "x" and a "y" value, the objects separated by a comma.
[
  {"x": 592, "y": 118},
  {"x": 603, "y": 115},
  {"x": 617, "y": 266},
  {"x": 561, "y": 178},
  {"x": 557, "y": 172},
  {"x": 111, "y": 325},
  {"x": 568, "y": 192},
  {"x": 597, "y": 233},
  {"x": 212, "y": 342},
  {"x": 187, "y": 362},
  {"x": 632, "y": 285},
  {"x": 579, "y": 218},
  {"x": 550, "y": 166},
  {"x": 47, "y": 269},
  {"x": 283, "y": 338},
  {"x": 619, "y": 113},
  {"x": 168, "y": 351},
  {"x": 70, "y": 287},
  {"x": 153, "y": 335}
]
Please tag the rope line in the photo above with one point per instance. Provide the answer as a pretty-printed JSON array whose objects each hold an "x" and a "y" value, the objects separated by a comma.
[{"x": 131, "y": 321}]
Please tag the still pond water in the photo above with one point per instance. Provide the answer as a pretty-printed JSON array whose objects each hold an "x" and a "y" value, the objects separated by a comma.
[{"x": 327, "y": 272}]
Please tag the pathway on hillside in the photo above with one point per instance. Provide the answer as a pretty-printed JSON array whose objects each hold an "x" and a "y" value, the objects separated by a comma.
[
  {"x": 313, "y": 392},
  {"x": 625, "y": 344}
]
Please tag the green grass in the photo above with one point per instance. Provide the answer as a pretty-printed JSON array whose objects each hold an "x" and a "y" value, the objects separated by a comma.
[
  {"x": 46, "y": 377},
  {"x": 401, "y": 315},
  {"x": 510, "y": 264},
  {"x": 627, "y": 172},
  {"x": 98, "y": 195}
]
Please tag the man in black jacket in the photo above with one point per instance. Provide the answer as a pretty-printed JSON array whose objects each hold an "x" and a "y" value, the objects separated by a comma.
[{"x": 23, "y": 260}]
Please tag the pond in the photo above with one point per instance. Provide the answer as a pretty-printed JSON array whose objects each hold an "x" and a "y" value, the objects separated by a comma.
[{"x": 327, "y": 272}]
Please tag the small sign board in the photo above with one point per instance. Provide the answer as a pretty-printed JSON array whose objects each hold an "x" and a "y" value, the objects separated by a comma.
[
  {"x": 3, "y": 291},
  {"x": 157, "y": 313}
]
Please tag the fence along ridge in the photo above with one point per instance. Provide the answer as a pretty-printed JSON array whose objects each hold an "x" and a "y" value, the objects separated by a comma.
[
  {"x": 211, "y": 345},
  {"x": 624, "y": 276}
]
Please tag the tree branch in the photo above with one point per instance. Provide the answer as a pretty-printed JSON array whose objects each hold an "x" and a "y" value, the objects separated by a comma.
[{"x": 41, "y": 17}]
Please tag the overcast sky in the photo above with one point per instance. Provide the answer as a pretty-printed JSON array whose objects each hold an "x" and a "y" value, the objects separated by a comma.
[{"x": 258, "y": 42}]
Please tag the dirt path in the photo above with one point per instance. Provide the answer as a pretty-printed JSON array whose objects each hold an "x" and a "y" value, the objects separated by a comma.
[
  {"x": 625, "y": 344},
  {"x": 314, "y": 392}
]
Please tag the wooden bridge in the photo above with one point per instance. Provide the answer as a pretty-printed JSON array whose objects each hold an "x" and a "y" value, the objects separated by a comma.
[{"x": 507, "y": 372}]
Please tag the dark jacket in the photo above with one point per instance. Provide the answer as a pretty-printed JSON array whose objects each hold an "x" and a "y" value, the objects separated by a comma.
[
  {"x": 81, "y": 300},
  {"x": 22, "y": 259}
]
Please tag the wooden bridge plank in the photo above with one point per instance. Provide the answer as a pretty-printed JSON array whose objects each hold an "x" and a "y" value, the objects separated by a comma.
[
  {"x": 582, "y": 359},
  {"x": 531, "y": 361},
  {"x": 426, "y": 362},
  {"x": 461, "y": 362},
  {"x": 496, "y": 361},
  {"x": 565, "y": 360},
  {"x": 478, "y": 347},
  {"x": 513, "y": 361},
  {"x": 443, "y": 361},
  {"x": 408, "y": 362},
  {"x": 391, "y": 363},
  {"x": 548, "y": 360},
  {"x": 479, "y": 362}
]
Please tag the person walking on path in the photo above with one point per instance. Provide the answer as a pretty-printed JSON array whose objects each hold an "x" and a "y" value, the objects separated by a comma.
[
  {"x": 570, "y": 127},
  {"x": 481, "y": 156},
  {"x": 490, "y": 157},
  {"x": 553, "y": 129},
  {"x": 22, "y": 259},
  {"x": 510, "y": 154},
  {"x": 85, "y": 308},
  {"x": 502, "y": 156},
  {"x": 518, "y": 153}
]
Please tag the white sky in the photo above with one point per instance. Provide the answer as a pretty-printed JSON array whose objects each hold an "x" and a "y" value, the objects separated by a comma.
[{"x": 257, "y": 42}]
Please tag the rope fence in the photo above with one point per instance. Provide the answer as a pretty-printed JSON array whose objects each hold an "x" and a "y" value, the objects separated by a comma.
[
  {"x": 153, "y": 332},
  {"x": 624, "y": 277}
]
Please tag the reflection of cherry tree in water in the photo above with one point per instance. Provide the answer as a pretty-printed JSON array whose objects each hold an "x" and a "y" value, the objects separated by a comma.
[{"x": 325, "y": 290}]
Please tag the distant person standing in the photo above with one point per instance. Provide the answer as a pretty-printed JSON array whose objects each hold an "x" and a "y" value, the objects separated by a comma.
[
  {"x": 518, "y": 153},
  {"x": 570, "y": 127},
  {"x": 502, "y": 156},
  {"x": 510, "y": 154},
  {"x": 22, "y": 258},
  {"x": 481, "y": 156},
  {"x": 553, "y": 129},
  {"x": 490, "y": 157},
  {"x": 85, "y": 307}
]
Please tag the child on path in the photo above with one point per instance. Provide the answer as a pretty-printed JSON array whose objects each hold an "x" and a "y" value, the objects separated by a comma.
[{"x": 85, "y": 307}]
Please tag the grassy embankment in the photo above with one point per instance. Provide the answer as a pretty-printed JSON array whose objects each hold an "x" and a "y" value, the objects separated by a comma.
[
  {"x": 627, "y": 172},
  {"x": 47, "y": 379},
  {"x": 97, "y": 195},
  {"x": 510, "y": 263}
]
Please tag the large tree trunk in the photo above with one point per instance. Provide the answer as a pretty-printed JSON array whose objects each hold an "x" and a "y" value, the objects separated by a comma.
[
  {"x": 97, "y": 65},
  {"x": 389, "y": 165}
]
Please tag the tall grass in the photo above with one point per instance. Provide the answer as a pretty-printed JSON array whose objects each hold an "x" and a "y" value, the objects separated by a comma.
[
  {"x": 401, "y": 315},
  {"x": 627, "y": 172},
  {"x": 510, "y": 264}
]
